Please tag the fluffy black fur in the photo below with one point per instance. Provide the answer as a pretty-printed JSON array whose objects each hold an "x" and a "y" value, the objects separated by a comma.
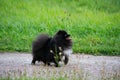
[{"x": 46, "y": 49}]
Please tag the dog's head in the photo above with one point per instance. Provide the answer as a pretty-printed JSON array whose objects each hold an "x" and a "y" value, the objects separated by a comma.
[
  {"x": 63, "y": 39},
  {"x": 61, "y": 34}
]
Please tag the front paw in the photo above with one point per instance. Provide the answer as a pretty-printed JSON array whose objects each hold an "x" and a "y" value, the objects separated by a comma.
[{"x": 66, "y": 59}]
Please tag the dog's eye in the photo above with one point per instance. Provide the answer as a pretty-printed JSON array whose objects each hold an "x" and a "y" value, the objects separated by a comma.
[{"x": 65, "y": 35}]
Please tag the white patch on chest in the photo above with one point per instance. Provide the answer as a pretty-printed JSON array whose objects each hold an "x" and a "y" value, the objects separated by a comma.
[{"x": 68, "y": 51}]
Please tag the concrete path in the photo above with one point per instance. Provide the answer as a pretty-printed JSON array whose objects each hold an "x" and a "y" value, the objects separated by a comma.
[{"x": 80, "y": 67}]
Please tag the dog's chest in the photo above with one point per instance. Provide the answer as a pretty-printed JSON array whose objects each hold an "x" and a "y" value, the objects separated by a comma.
[{"x": 68, "y": 51}]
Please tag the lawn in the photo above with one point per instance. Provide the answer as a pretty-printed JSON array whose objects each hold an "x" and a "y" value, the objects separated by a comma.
[{"x": 93, "y": 24}]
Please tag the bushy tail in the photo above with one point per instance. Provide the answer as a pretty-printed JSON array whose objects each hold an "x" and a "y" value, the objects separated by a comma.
[{"x": 39, "y": 42}]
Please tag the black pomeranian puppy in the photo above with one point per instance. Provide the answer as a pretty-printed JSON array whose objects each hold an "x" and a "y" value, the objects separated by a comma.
[{"x": 47, "y": 49}]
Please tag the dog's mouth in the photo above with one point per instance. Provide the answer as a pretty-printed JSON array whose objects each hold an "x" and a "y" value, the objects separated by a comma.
[{"x": 68, "y": 37}]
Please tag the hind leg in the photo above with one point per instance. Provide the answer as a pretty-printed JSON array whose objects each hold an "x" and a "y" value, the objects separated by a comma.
[
  {"x": 33, "y": 61},
  {"x": 46, "y": 63}
]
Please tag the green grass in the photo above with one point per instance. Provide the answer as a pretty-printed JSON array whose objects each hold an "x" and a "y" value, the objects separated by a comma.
[{"x": 93, "y": 24}]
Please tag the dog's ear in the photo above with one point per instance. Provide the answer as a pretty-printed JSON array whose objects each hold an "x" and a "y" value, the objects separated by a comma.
[{"x": 60, "y": 31}]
